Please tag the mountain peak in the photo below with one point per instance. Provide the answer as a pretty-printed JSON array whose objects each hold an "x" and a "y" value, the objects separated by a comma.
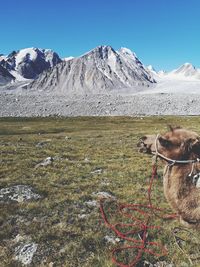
[
  {"x": 29, "y": 62},
  {"x": 99, "y": 70},
  {"x": 186, "y": 69},
  {"x": 188, "y": 66},
  {"x": 103, "y": 48},
  {"x": 67, "y": 58},
  {"x": 151, "y": 68},
  {"x": 127, "y": 51},
  {"x": 102, "y": 51}
]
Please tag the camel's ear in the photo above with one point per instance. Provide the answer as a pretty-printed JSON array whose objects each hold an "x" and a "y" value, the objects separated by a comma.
[
  {"x": 164, "y": 142},
  {"x": 172, "y": 128}
]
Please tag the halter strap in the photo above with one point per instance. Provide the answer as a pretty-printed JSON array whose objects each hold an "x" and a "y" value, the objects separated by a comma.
[{"x": 172, "y": 161}]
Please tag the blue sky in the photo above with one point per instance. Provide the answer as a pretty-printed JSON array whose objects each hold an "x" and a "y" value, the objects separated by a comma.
[{"x": 164, "y": 33}]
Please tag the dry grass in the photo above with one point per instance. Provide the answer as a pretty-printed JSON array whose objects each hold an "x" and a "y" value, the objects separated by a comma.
[{"x": 54, "y": 222}]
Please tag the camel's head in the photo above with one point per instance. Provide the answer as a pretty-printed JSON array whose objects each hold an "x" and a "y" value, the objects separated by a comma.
[{"x": 177, "y": 144}]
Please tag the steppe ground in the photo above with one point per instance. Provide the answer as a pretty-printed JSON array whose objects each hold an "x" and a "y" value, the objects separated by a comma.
[{"x": 90, "y": 155}]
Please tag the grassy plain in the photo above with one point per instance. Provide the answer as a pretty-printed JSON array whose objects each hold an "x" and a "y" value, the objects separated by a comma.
[{"x": 91, "y": 155}]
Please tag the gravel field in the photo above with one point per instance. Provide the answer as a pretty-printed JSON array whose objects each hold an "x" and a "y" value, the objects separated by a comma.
[{"x": 37, "y": 104}]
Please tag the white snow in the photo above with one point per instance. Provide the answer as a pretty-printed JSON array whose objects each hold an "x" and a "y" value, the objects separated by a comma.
[
  {"x": 29, "y": 53},
  {"x": 186, "y": 70},
  {"x": 173, "y": 83},
  {"x": 151, "y": 68},
  {"x": 2, "y": 57},
  {"x": 67, "y": 58},
  {"x": 48, "y": 56},
  {"x": 18, "y": 77},
  {"x": 127, "y": 51},
  {"x": 112, "y": 61}
]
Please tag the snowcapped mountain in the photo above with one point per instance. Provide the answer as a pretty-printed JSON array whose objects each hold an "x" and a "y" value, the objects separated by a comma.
[
  {"x": 67, "y": 58},
  {"x": 187, "y": 70},
  {"x": 101, "y": 69},
  {"x": 133, "y": 63},
  {"x": 150, "y": 69},
  {"x": 5, "y": 76},
  {"x": 28, "y": 63}
]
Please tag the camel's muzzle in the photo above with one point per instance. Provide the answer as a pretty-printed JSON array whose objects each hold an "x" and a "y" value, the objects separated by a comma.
[{"x": 143, "y": 147}]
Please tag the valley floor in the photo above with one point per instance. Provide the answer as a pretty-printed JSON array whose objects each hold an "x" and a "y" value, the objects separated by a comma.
[
  {"x": 44, "y": 104},
  {"x": 59, "y": 167},
  {"x": 172, "y": 95}
]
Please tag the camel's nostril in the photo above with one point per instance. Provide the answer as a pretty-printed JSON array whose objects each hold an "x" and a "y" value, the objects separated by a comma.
[{"x": 140, "y": 143}]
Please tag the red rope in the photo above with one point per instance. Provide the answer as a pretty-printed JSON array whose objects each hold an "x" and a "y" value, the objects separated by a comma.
[{"x": 142, "y": 226}]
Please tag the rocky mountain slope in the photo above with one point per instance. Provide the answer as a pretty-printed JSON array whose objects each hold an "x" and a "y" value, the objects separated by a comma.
[
  {"x": 5, "y": 76},
  {"x": 28, "y": 63},
  {"x": 101, "y": 82},
  {"x": 100, "y": 70}
]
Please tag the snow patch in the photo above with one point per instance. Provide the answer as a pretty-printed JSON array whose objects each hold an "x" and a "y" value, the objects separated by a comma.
[
  {"x": 127, "y": 52},
  {"x": 27, "y": 54},
  {"x": 67, "y": 58},
  {"x": 19, "y": 77}
]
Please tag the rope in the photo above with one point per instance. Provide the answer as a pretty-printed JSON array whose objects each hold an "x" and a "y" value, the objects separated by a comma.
[
  {"x": 142, "y": 245},
  {"x": 172, "y": 161}
]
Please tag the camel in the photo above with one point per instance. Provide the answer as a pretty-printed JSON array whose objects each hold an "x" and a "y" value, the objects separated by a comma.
[{"x": 180, "y": 150}]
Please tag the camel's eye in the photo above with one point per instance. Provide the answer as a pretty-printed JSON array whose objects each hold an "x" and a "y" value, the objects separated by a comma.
[
  {"x": 164, "y": 142},
  {"x": 193, "y": 144}
]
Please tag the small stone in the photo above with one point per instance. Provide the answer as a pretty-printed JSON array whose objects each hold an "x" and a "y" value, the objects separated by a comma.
[
  {"x": 105, "y": 183},
  {"x": 25, "y": 252},
  {"x": 92, "y": 203},
  {"x": 41, "y": 144},
  {"x": 82, "y": 216},
  {"x": 111, "y": 239},
  {"x": 97, "y": 171},
  {"x": 104, "y": 195},
  {"x": 18, "y": 238},
  {"x": 45, "y": 162}
]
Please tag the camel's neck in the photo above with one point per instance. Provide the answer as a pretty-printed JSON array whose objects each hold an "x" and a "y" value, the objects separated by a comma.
[{"x": 176, "y": 183}]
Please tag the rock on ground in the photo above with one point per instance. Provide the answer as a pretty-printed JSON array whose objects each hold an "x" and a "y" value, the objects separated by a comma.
[
  {"x": 45, "y": 162},
  {"x": 18, "y": 193},
  {"x": 25, "y": 252}
]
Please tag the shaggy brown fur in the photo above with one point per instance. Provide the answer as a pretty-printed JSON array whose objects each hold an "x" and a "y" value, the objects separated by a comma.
[{"x": 180, "y": 189}]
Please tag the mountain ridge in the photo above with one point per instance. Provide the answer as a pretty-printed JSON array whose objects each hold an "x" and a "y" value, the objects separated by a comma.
[
  {"x": 99, "y": 70},
  {"x": 29, "y": 62}
]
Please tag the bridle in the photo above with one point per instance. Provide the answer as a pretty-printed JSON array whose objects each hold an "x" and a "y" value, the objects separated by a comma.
[{"x": 172, "y": 162}]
